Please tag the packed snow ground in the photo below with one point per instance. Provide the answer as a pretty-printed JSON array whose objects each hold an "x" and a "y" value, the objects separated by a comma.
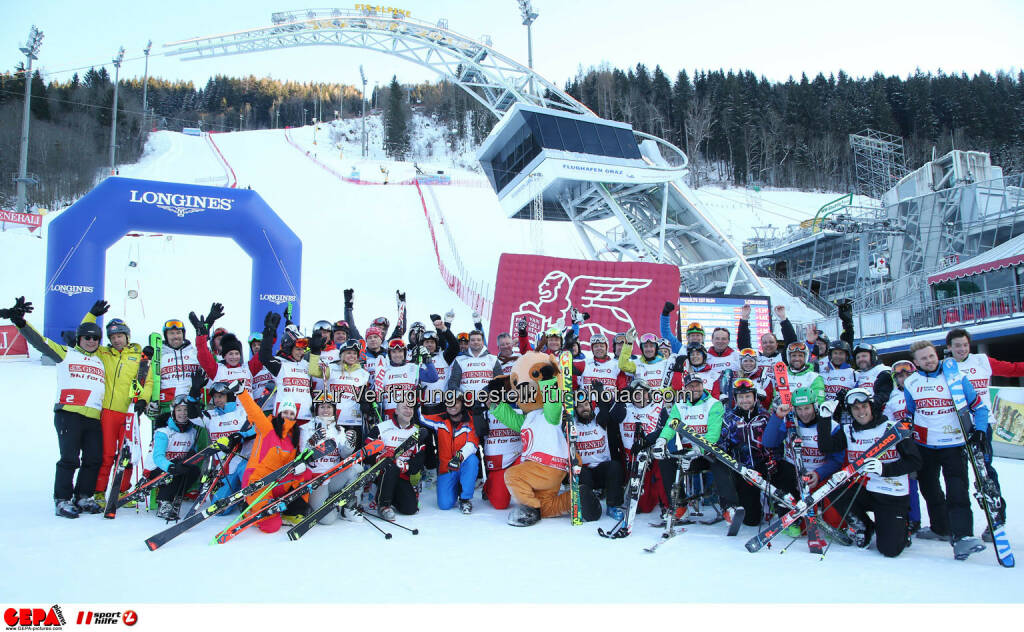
[{"x": 373, "y": 238}]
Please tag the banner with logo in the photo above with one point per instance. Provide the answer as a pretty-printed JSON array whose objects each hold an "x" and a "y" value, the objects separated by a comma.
[
  {"x": 12, "y": 344},
  {"x": 617, "y": 295},
  {"x": 80, "y": 236},
  {"x": 30, "y": 220},
  {"x": 1007, "y": 414}
]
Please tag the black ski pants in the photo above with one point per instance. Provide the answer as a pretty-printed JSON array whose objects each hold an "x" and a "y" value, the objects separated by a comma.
[
  {"x": 608, "y": 476},
  {"x": 891, "y": 517},
  {"x": 396, "y": 491},
  {"x": 724, "y": 483},
  {"x": 949, "y": 513},
  {"x": 179, "y": 482},
  {"x": 80, "y": 440}
]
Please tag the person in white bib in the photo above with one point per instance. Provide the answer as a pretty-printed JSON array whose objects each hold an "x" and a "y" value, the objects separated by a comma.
[{"x": 886, "y": 490}]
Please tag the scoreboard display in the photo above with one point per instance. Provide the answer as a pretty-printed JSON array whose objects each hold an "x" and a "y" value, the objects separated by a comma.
[{"x": 723, "y": 310}]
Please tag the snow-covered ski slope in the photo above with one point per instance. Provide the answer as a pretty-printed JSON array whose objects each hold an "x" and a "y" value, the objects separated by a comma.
[{"x": 374, "y": 239}]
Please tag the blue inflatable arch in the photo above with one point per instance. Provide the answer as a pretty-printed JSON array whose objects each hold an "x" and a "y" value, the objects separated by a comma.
[{"x": 80, "y": 236}]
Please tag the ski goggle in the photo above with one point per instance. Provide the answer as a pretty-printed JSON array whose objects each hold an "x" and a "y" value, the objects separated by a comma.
[
  {"x": 220, "y": 387},
  {"x": 174, "y": 324},
  {"x": 744, "y": 383},
  {"x": 748, "y": 353},
  {"x": 598, "y": 339},
  {"x": 644, "y": 339},
  {"x": 664, "y": 343},
  {"x": 797, "y": 347},
  {"x": 464, "y": 337},
  {"x": 903, "y": 367},
  {"x": 302, "y": 343},
  {"x": 396, "y": 344},
  {"x": 694, "y": 328},
  {"x": 255, "y": 337},
  {"x": 322, "y": 324},
  {"x": 857, "y": 396},
  {"x": 180, "y": 399}
]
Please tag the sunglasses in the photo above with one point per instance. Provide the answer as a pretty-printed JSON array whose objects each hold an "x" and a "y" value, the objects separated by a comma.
[{"x": 90, "y": 337}]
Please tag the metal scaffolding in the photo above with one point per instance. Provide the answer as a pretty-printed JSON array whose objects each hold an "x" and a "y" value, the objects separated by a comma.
[{"x": 878, "y": 161}]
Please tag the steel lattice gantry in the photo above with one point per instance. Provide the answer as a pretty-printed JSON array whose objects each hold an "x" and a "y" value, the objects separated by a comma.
[{"x": 658, "y": 217}]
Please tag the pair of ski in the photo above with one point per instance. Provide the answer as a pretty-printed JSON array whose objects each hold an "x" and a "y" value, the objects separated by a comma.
[
  {"x": 124, "y": 452},
  {"x": 142, "y": 489},
  {"x": 344, "y": 497},
  {"x": 571, "y": 434},
  {"x": 986, "y": 490},
  {"x": 815, "y": 540},
  {"x": 267, "y": 482},
  {"x": 260, "y": 509}
]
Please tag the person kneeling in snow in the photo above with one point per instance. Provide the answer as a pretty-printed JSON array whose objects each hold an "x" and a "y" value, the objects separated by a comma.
[
  {"x": 172, "y": 444},
  {"x": 326, "y": 426},
  {"x": 458, "y": 463}
]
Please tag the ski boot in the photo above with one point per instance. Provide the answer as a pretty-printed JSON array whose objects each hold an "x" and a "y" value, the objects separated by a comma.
[
  {"x": 929, "y": 534},
  {"x": 863, "y": 531},
  {"x": 166, "y": 511},
  {"x": 734, "y": 516},
  {"x": 915, "y": 526},
  {"x": 86, "y": 504},
  {"x": 615, "y": 513},
  {"x": 388, "y": 513},
  {"x": 100, "y": 499},
  {"x": 963, "y": 547},
  {"x": 65, "y": 508},
  {"x": 523, "y": 516},
  {"x": 466, "y": 506},
  {"x": 351, "y": 514}
]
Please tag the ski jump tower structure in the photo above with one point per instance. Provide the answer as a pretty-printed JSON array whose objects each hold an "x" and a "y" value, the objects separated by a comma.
[{"x": 549, "y": 157}]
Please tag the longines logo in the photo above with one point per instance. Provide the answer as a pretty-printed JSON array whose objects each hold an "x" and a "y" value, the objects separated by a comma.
[
  {"x": 277, "y": 299},
  {"x": 71, "y": 290},
  {"x": 181, "y": 204}
]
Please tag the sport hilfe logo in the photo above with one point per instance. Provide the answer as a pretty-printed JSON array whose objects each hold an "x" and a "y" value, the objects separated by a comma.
[
  {"x": 88, "y": 617},
  {"x": 34, "y": 618}
]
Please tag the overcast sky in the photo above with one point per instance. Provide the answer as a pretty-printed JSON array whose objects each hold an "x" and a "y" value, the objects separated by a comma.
[{"x": 775, "y": 39}]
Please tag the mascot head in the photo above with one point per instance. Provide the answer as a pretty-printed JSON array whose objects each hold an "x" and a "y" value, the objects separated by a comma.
[{"x": 528, "y": 371}]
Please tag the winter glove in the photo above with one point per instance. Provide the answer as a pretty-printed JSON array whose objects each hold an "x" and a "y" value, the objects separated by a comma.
[
  {"x": 667, "y": 309},
  {"x": 639, "y": 441},
  {"x": 316, "y": 344},
  {"x": 235, "y": 439},
  {"x": 449, "y": 316},
  {"x": 348, "y": 297},
  {"x": 236, "y": 386},
  {"x": 177, "y": 469},
  {"x": 198, "y": 382},
  {"x": 153, "y": 409},
  {"x": 350, "y": 439},
  {"x": 299, "y": 470},
  {"x": 660, "y": 450},
  {"x": 17, "y": 313},
  {"x": 202, "y": 328},
  {"x": 216, "y": 311},
  {"x": 828, "y": 408},
  {"x": 271, "y": 321},
  {"x": 872, "y": 466},
  {"x": 414, "y": 479},
  {"x": 476, "y": 317},
  {"x": 148, "y": 351},
  {"x": 547, "y": 372},
  {"x": 400, "y": 295},
  {"x": 631, "y": 335},
  {"x": 140, "y": 406},
  {"x": 687, "y": 458},
  {"x": 577, "y": 316},
  {"x": 434, "y": 318},
  {"x": 679, "y": 366},
  {"x": 521, "y": 327},
  {"x": 99, "y": 308},
  {"x": 456, "y": 462}
]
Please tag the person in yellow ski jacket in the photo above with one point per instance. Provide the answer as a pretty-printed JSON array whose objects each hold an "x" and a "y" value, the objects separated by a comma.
[{"x": 121, "y": 359}]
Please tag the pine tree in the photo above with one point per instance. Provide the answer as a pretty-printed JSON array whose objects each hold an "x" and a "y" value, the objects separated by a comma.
[{"x": 396, "y": 127}]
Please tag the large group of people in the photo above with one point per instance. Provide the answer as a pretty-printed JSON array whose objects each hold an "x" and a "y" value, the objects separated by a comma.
[{"x": 634, "y": 391}]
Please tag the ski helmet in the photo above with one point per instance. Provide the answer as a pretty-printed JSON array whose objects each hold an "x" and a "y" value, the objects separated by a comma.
[
  {"x": 839, "y": 345},
  {"x": 598, "y": 339},
  {"x": 694, "y": 328},
  {"x": 88, "y": 330},
  {"x": 118, "y": 326},
  {"x": 903, "y": 366},
  {"x": 222, "y": 387},
  {"x": 692, "y": 377},
  {"x": 857, "y": 395},
  {"x": 255, "y": 337},
  {"x": 802, "y": 397},
  {"x": 339, "y": 325},
  {"x": 323, "y": 324},
  {"x": 797, "y": 347},
  {"x": 348, "y": 345},
  {"x": 664, "y": 343},
  {"x": 173, "y": 323},
  {"x": 743, "y": 385},
  {"x": 381, "y": 323},
  {"x": 396, "y": 343},
  {"x": 417, "y": 326},
  {"x": 863, "y": 346},
  {"x": 553, "y": 332},
  {"x": 429, "y": 335}
]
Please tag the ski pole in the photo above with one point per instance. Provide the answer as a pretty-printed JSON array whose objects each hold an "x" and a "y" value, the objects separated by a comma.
[
  {"x": 387, "y": 536},
  {"x": 842, "y": 518}
]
